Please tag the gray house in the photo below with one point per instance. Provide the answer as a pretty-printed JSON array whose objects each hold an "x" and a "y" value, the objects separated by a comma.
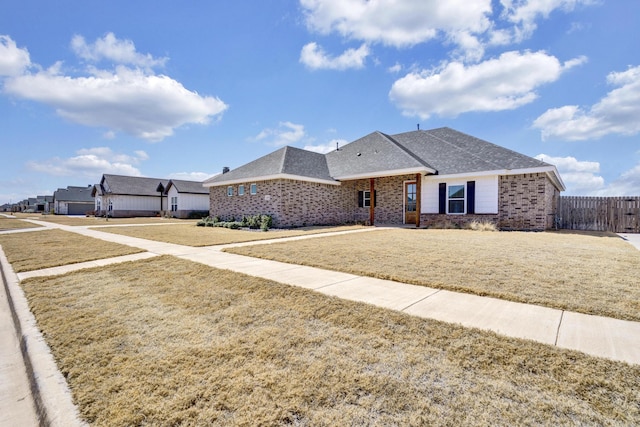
[
  {"x": 418, "y": 177},
  {"x": 73, "y": 200},
  {"x": 128, "y": 196}
]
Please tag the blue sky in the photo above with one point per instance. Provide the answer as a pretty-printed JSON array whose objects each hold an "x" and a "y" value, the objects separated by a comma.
[{"x": 180, "y": 89}]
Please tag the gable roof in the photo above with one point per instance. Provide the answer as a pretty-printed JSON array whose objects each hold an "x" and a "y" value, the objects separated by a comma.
[
  {"x": 441, "y": 151},
  {"x": 74, "y": 194},
  {"x": 191, "y": 187},
  {"x": 287, "y": 162},
  {"x": 129, "y": 185}
]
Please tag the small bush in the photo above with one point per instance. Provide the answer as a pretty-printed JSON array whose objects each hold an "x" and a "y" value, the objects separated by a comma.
[{"x": 482, "y": 226}]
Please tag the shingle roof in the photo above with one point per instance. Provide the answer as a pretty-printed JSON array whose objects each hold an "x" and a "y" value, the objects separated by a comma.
[
  {"x": 74, "y": 194},
  {"x": 192, "y": 187},
  {"x": 453, "y": 152},
  {"x": 287, "y": 161},
  {"x": 442, "y": 151},
  {"x": 375, "y": 153},
  {"x": 130, "y": 185}
]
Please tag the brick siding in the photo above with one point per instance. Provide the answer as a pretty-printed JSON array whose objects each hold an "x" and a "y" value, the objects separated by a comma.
[
  {"x": 294, "y": 203},
  {"x": 526, "y": 202}
]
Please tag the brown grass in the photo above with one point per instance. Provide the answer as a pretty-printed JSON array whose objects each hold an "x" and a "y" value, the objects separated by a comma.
[
  {"x": 192, "y": 235},
  {"x": 571, "y": 271},
  {"x": 90, "y": 220},
  {"x": 13, "y": 223},
  {"x": 52, "y": 248},
  {"x": 171, "y": 342}
]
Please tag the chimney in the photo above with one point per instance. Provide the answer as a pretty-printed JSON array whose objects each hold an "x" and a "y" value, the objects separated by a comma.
[
  {"x": 418, "y": 126},
  {"x": 225, "y": 169}
]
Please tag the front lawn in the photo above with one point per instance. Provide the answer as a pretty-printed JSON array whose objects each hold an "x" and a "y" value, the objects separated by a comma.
[
  {"x": 52, "y": 248},
  {"x": 583, "y": 272},
  {"x": 171, "y": 342},
  {"x": 13, "y": 224},
  {"x": 191, "y": 235}
]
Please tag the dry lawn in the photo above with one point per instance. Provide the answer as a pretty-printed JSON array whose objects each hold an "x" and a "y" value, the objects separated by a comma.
[
  {"x": 52, "y": 248},
  {"x": 167, "y": 342},
  {"x": 594, "y": 274},
  {"x": 192, "y": 235},
  {"x": 91, "y": 221},
  {"x": 13, "y": 223}
]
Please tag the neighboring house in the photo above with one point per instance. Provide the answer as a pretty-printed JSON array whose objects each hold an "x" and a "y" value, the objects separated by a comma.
[
  {"x": 420, "y": 177},
  {"x": 73, "y": 200},
  {"x": 129, "y": 196},
  {"x": 186, "y": 198}
]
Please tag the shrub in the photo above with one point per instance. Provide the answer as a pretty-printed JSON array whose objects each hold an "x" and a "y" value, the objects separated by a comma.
[{"x": 482, "y": 226}]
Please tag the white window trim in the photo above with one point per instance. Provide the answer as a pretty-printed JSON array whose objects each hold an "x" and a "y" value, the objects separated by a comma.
[
  {"x": 241, "y": 190},
  {"x": 174, "y": 203},
  {"x": 230, "y": 191},
  {"x": 253, "y": 189},
  {"x": 366, "y": 198},
  {"x": 464, "y": 199}
]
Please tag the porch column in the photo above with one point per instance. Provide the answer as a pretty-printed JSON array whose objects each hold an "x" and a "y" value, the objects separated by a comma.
[
  {"x": 372, "y": 201},
  {"x": 418, "y": 197}
]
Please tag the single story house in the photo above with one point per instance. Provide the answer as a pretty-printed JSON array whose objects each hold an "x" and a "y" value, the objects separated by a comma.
[
  {"x": 186, "y": 198},
  {"x": 73, "y": 200},
  {"x": 422, "y": 177},
  {"x": 128, "y": 196}
]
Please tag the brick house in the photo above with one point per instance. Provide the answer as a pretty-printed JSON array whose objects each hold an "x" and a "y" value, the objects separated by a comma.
[{"x": 419, "y": 177}]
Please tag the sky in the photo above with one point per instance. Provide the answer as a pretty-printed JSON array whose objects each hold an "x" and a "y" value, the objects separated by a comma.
[{"x": 180, "y": 90}]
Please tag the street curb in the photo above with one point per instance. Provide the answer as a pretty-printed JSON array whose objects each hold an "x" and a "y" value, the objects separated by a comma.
[{"x": 53, "y": 400}]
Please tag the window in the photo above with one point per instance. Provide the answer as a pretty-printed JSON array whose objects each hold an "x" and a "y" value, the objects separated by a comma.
[
  {"x": 456, "y": 199},
  {"x": 240, "y": 190},
  {"x": 229, "y": 191},
  {"x": 174, "y": 204},
  {"x": 411, "y": 197},
  {"x": 98, "y": 207},
  {"x": 254, "y": 189},
  {"x": 110, "y": 208},
  {"x": 364, "y": 199}
]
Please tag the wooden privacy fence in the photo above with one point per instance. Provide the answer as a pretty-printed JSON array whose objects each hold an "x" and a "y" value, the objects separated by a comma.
[{"x": 617, "y": 214}]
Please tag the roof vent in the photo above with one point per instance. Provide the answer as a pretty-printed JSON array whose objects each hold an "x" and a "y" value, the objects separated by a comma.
[
  {"x": 225, "y": 169},
  {"x": 337, "y": 146},
  {"x": 418, "y": 126}
]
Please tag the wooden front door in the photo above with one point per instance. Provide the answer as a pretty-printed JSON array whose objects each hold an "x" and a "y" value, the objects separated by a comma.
[{"x": 410, "y": 202}]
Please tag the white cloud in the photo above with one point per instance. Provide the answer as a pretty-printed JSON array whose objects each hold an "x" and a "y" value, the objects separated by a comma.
[
  {"x": 628, "y": 184},
  {"x": 580, "y": 177},
  {"x": 130, "y": 100},
  {"x": 616, "y": 113},
  {"x": 524, "y": 13},
  {"x": 468, "y": 25},
  {"x": 503, "y": 83},
  {"x": 328, "y": 147},
  {"x": 286, "y": 133},
  {"x": 399, "y": 23},
  {"x": 91, "y": 163},
  {"x": 190, "y": 176},
  {"x": 13, "y": 60},
  {"x": 112, "y": 49},
  {"x": 396, "y": 68},
  {"x": 314, "y": 57}
]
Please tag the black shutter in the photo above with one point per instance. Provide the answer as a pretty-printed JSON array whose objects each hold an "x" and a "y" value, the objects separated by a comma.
[
  {"x": 375, "y": 198},
  {"x": 360, "y": 199},
  {"x": 442, "y": 199},
  {"x": 471, "y": 197}
]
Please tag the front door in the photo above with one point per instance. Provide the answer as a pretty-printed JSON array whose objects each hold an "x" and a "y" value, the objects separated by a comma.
[{"x": 410, "y": 202}]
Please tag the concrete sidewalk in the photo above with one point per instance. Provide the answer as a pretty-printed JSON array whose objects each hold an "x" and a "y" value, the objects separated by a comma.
[{"x": 598, "y": 336}]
